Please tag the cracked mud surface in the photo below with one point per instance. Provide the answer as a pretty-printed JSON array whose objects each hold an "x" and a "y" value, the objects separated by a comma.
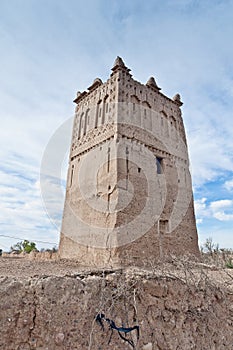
[{"x": 50, "y": 305}]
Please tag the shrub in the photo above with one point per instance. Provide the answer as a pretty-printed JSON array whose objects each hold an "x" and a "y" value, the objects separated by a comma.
[
  {"x": 24, "y": 246},
  {"x": 229, "y": 264}
]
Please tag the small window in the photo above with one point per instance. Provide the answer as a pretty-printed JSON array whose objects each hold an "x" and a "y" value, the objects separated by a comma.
[
  {"x": 163, "y": 226},
  {"x": 72, "y": 174},
  {"x": 159, "y": 165},
  {"x": 139, "y": 170}
]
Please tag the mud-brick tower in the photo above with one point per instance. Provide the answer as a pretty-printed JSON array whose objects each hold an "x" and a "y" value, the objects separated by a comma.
[{"x": 129, "y": 194}]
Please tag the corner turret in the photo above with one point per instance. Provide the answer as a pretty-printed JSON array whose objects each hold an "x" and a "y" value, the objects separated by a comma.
[
  {"x": 152, "y": 84},
  {"x": 119, "y": 65}
]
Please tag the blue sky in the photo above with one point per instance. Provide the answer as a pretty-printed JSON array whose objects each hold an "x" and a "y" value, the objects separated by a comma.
[{"x": 50, "y": 49}]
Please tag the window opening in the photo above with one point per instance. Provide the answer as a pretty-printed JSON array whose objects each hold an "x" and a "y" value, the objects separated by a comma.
[
  {"x": 163, "y": 226},
  {"x": 72, "y": 174},
  {"x": 159, "y": 165},
  {"x": 127, "y": 166},
  {"x": 108, "y": 159}
]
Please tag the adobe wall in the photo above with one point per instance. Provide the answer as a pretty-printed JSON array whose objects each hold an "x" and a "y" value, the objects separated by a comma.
[
  {"x": 54, "y": 307},
  {"x": 128, "y": 187}
]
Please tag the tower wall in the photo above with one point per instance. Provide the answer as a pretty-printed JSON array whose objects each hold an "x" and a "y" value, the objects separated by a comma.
[{"x": 129, "y": 193}]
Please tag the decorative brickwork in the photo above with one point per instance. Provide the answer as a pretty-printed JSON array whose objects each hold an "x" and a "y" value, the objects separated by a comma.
[{"x": 129, "y": 193}]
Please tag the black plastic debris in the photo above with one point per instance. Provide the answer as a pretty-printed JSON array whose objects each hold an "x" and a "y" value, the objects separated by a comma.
[{"x": 100, "y": 319}]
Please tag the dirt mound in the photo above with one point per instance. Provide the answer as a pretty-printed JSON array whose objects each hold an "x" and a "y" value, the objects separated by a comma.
[{"x": 53, "y": 305}]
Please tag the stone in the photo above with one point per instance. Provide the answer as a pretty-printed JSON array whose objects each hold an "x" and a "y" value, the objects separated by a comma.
[
  {"x": 148, "y": 346},
  {"x": 59, "y": 338}
]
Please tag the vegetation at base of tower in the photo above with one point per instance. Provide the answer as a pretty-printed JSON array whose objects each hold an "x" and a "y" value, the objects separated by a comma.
[
  {"x": 212, "y": 254},
  {"x": 23, "y": 246},
  {"x": 229, "y": 263},
  {"x": 210, "y": 247}
]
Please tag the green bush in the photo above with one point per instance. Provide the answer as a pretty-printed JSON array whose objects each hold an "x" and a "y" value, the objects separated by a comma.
[
  {"x": 24, "y": 246},
  {"x": 229, "y": 264}
]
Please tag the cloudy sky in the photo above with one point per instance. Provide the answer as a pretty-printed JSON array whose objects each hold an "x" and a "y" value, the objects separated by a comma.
[{"x": 49, "y": 49}]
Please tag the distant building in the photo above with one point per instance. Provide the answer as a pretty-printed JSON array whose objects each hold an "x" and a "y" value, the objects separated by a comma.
[{"x": 129, "y": 193}]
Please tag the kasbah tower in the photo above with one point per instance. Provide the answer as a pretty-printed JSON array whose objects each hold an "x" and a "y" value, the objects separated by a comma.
[{"x": 129, "y": 194}]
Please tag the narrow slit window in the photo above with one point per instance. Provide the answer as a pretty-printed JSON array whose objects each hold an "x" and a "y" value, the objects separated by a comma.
[
  {"x": 72, "y": 174},
  {"x": 109, "y": 201},
  {"x": 127, "y": 160},
  {"x": 127, "y": 166},
  {"x": 159, "y": 165},
  {"x": 108, "y": 159}
]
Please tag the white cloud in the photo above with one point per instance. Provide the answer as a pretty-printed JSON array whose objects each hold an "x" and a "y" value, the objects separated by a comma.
[
  {"x": 222, "y": 210},
  {"x": 229, "y": 185},
  {"x": 221, "y": 204},
  {"x": 221, "y": 216},
  {"x": 201, "y": 210},
  {"x": 200, "y": 206}
]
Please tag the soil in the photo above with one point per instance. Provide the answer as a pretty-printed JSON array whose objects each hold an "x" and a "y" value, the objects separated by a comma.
[{"x": 52, "y": 305}]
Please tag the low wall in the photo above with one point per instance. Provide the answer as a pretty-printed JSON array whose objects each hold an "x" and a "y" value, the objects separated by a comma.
[{"x": 174, "y": 309}]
